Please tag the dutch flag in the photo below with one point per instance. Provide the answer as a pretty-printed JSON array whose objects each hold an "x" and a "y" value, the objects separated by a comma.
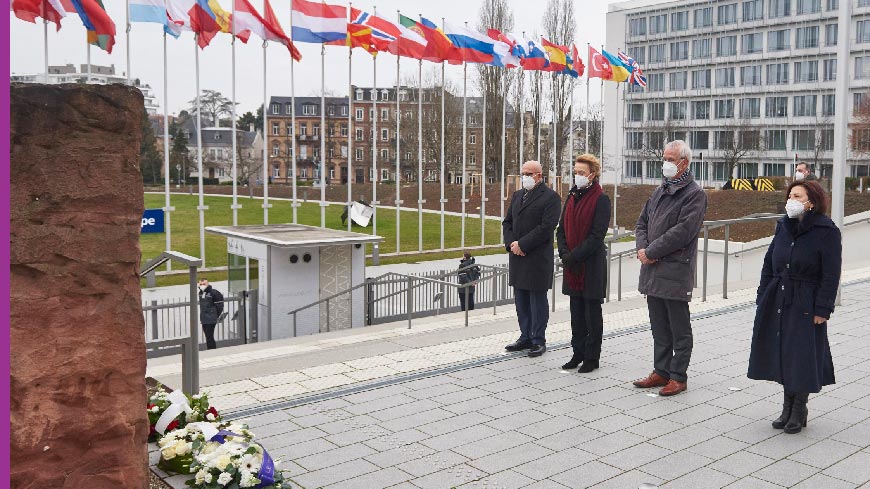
[{"x": 318, "y": 22}]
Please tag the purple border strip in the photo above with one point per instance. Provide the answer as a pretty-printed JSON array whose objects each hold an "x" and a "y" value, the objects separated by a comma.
[{"x": 4, "y": 250}]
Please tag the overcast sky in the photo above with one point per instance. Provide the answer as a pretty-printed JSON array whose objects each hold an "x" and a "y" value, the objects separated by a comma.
[{"x": 146, "y": 41}]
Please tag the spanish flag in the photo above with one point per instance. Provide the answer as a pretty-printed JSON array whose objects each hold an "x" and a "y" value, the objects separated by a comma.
[
  {"x": 557, "y": 54},
  {"x": 621, "y": 71}
]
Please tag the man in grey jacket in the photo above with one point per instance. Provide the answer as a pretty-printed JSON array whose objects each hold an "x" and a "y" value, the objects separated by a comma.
[{"x": 667, "y": 244}]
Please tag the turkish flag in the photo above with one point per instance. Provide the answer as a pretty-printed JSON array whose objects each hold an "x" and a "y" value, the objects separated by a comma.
[{"x": 599, "y": 67}]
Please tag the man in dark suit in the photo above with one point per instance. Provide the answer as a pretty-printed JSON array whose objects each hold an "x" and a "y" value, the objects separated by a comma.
[{"x": 528, "y": 237}]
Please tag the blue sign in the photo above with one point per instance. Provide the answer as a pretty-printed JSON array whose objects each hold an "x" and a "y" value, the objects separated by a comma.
[{"x": 152, "y": 221}]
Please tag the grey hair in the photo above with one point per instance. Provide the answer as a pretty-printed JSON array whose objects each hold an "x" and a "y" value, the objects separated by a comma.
[{"x": 681, "y": 147}]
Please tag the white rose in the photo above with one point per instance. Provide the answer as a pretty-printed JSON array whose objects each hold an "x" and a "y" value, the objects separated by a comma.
[
  {"x": 224, "y": 478},
  {"x": 168, "y": 453},
  {"x": 196, "y": 397},
  {"x": 200, "y": 476},
  {"x": 182, "y": 448},
  {"x": 221, "y": 461},
  {"x": 155, "y": 409},
  {"x": 207, "y": 478},
  {"x": 248, "y": 480},
  {"x": 209, "y": 417}
]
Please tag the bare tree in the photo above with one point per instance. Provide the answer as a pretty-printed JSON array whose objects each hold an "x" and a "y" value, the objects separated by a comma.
[
  {"x": 738, "y": 141},
  {"x": 656, "y": 135},
  {"x": 214, "y": 107},
  {"x": 859, "y": 138},
  {"x": 559, "y": 27}
]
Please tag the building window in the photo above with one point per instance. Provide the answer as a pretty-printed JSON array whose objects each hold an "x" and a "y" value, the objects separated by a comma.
[
  {"x": 679, "y": 21},
  {"x": 655, "y": 82},
  {"x": 276, "y": 149},
  {"x": 701, "y": 109},
  {"x": 217, "y": 136},
  {"x": 700, "y": 79},
  {"x": 702, "y": 48},
  {"x": 808, "y": 6},
  {"x": 724, "y": 77},
  {"x": 723, "y": 139},
  {"x": 358, "y": 95},
  {"x": 725, "y": 109},
  {"x": 657, "y": 53},
  {"x": 656, "y": 111},
  {"x": 826, "y": 139},
  {"x": 699, "y": 140},
  {"x": 679, "y": 80},
  {"x": 344, "y": 110},
  {"x": 385, "y": 114},
  {"x": 658, "y": 24},
  {"x": 750, "y": 108},
  {"x": 315, "y": 130},
  {"x": 385, "y": 174},
  {"x": 638, "y": 54},
  {"x": 472, "y": 139},
  {"x": 828, "y": 105},
  {"x": 358, "y": 154},
  {"x": 358, "y": 134},
  {"x": 829, "y": 70},
  {"x": 635, "y": 112},
  {"x": 832, "y": 5},
  {"x": 330, "y": 111},
  {"x": 343, "y": 131},
  {"x": 276, "y": 172},
  {"x": 679, "y": 50},
  {"x": 634, "y": 169},
  {"x": 806, "y": 71},
  {"x": 359, "y": 114},
  {"x": 777, "y": 74},
  {"x": 703, "y": 17},
  {"x": 750, "y": 75},
  {"x": 779, "y": 8},
  {"x": 726, "y": 46},
  {"x": 288, "y": 109},
  {"x": 276, "y": 109},
  {"x": 753, "y": 10},
  {"x": 803, "y": 139},
  {"x": 805, "y": 106},
  {"x": 807, "y": 37},
  {"x": 385, "y": 154},
  {"x": 308, "y": 109},
  {"x": 863, "y": 33},
  {"x": 637, "y": 27},
  {"x": 634, "y": 140},
  {"x": 779, "y": 40},
  {"x": 289, "y": 130},
  {"x": 303, "y": 129},
  {"x": 776, "y": 107},
  {"x": 385, "y": 134},
  {"x": 677, "y": 110},
  {"x": 726, "y": 14},
  {"x": 775, "y": 139},
  {"x": 276, "y": 129},
  {"x": 472, "y": 159},
  {"x": 862, "y": 67},
  {"x": 752, "y": 43},
  {"x": 831, "y": 35}
]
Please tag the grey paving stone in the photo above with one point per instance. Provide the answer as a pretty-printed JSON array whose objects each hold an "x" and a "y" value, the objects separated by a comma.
[
  {"x": 363, "y": 433},
  {"x": 785, "y": 473},
  {"x": 612, "y": 424},
  {"x": 336, "y": 473},
  {"x": 578, "y": 435},
  {"x": 324, "y": 417},
  {"x": 854, "y": 469},
  {"x": 379, "y": 393},
  {"x": 408, "y": 409},
  {"x": 435, "y": 391},
  {"x": 655, "y": 410},
  {"x": 545, "y": 484},
  {"x": 625, "y": 480},
  {"x": 820, "y": 481},
  {"x": 452, "y": 477},
  {"x": 635, "y": 456},
  {"x": 399, "y": 455},
  {"x": 492, "y": 444},
  {"x": 503, "y": 480},
  {"x": 516, "y": 394},
  {"x": 301, "y": 449},
  {"x": 382, "y": 478},
  {"x": 550, "y": 397},
  {"x": 613, "y": 443},
  {"x": 762, "y": 409},
  {"x": 291, "y": 438},
  {"x": 824, "y": 453},
  {"x": 593, "y": 412},
  {"x": 587, "y": 475},
  {"x": 675, "y": 465},
  {"x": 741, "y": 464},
  {"x": 396, "y": 439},
  {"x": 703, "y": 478},
  {"x": 555, "y": 463},
  {"x": 417, "y": 419},
  {"x": 343, "y": 425},
  {"x": 334, "y": 456},
  {"x": 429, "y": 464},
  {"x": 848, "y": 414},
  {"x": 725, "y": 422},
  {"x": 719, "y": 447},
  {"x": 754, "y": 432},
  {"x": 380, "y": 404},
  {"x": 459, "y": 437},
  {"x": 733, "y": 400},
  {"x": 454, "y": 423},
  {"x": 684, "y": 438},
  {"x": 781, "y": 446},
  {"x": 462, "y": 395},
  {"x": 510, "y": 458},
  {"x": 695, "y": 414},
  {"x": 751, "y": 483},
  {"x": 264, "y": 419},
  {"x": 510, "y": 406},
  {"x": 472, "y": 405},
  {"x": 547, "y": 427},
  {"x": 655, "y": 428},
  {"x": 858, "y": 435}
]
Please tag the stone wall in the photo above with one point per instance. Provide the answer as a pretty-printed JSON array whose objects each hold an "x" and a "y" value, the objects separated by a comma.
[{"x": 77, "y": 346}]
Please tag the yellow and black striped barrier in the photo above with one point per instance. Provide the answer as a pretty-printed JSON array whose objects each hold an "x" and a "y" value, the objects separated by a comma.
[{"x": 758, "y": 184}]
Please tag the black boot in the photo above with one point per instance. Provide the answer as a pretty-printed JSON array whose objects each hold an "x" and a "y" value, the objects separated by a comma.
[
  {"x": 572, "y": 364},
  {"x": 588, "y": 366},
  {"x": 788, "y": 399},
  {"x": 798, "y": 417}
]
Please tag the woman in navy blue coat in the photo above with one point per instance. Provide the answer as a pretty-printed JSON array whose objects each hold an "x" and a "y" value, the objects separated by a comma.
[{"x": 796, "y": 297}]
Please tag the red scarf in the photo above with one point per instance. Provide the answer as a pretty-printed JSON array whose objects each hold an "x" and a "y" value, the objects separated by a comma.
[{"x": 579, "y": 211}]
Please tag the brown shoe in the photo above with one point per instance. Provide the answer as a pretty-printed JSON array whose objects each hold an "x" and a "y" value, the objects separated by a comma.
[
  {"x": 653, "y": 380},
  {"x": 673, "y": 388}
]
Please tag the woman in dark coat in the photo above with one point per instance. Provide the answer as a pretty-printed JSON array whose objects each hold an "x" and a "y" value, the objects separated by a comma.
[
  {"x": 796, "y": 297},
  {"x": 580, "y": 239}
]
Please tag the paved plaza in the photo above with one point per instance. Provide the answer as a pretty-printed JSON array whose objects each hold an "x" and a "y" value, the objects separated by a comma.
[{"x": 507, "y": 421}]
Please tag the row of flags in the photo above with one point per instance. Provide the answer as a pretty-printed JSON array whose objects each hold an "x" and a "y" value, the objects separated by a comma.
[{"x": 317, "y": 22}]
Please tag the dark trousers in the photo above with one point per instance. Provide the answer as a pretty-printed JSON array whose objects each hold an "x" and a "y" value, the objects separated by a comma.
[
  {"x": 672, "y": 337},
  {"x": 587, "y": 328},
  {"x": 208, "y": 329},
  {"x": 470, "y": 299},
  {"x": 533, "y": 312}
]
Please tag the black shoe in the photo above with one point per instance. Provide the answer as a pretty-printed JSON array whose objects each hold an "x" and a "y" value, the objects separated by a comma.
[
  {"x": 780, "y": 422},
  {"x": 798, "y": 417},
  {"x": 537, "y": 350},
  {"x": 572, "y": 364},
  {"x": 519, "y": 346},
  {"x": 588, "y": 366}
]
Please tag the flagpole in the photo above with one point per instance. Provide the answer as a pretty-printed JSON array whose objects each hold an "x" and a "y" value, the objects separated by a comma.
[
  {"x": 266, "y": 204},
  {"x": 323, "y": 135},
  {"x": 555, "y": 146},
  {"x": 201, "y": 208},
  {"x": 483, "y": 176},
  {"x": 398, "y": 153},
  {"x": 464, "y": 145},
  {"x": 235, "y": 205},
  {"x": 349, "y": 124},
  {"x": 45, "y": 46},
  {"x": 502, "y": 196},
  {"x": 618, "y": 166},
  {"x": 127, "y": 10},
  {"x": 420, "y": 200},
  {"x": 571, "y": 131},
  {"x": 521, "y": 100},
  {"x": 441, "y": 177},
  {"x": 89, "y": 58},
  {"x": 588, "y": 108},
  {"x": 375, "y": 176},
  {"x": 167, "y": 209},
  {"x": 538, "y": 135},
  {"x": 295, "y": 203}
]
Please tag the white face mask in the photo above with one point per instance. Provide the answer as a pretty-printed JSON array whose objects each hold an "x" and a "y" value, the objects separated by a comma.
[
  {"x": 581, "y": 181},
  {"x": 794, "y": 208},
  {"x": 528, "y": 182},
  {"x": 799, "y": 176},
  {"x": 669, "y": 169}
]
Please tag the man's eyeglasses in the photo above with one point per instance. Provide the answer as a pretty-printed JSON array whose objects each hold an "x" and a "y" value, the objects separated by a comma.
[{"x": 527, "y": 174}]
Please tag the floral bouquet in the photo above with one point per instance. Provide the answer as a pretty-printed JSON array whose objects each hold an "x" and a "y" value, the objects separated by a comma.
[
  {"x": 177, "y": 446},
  {"x": 233, "y": 460},
  {"x": 169, "y": 411}
]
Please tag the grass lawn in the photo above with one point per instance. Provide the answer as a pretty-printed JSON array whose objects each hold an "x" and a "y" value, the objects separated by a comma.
[{"x": 185, "y": 228}]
